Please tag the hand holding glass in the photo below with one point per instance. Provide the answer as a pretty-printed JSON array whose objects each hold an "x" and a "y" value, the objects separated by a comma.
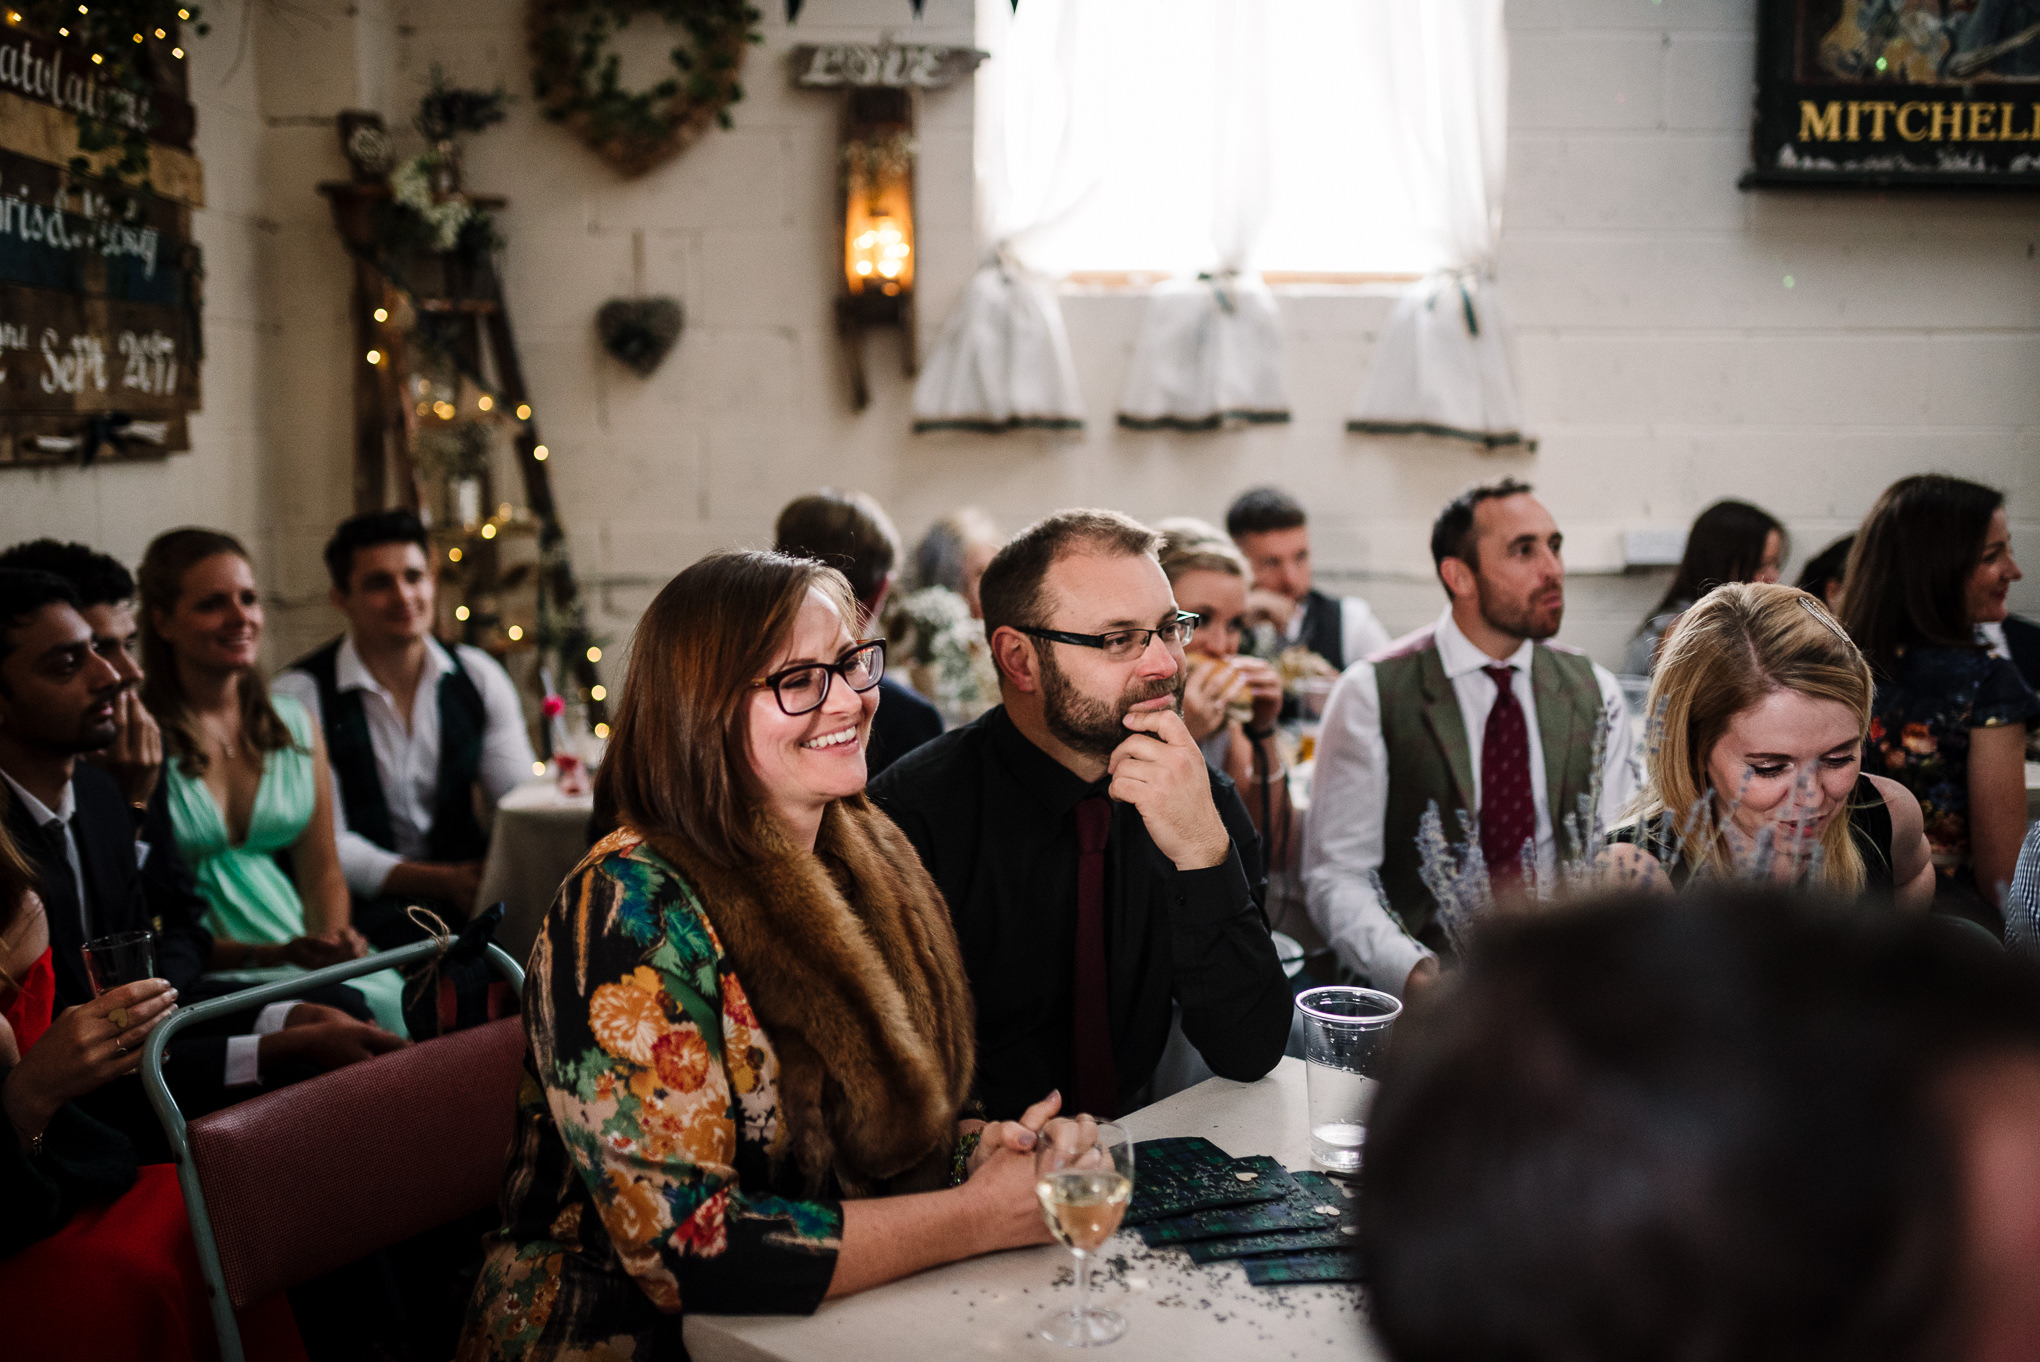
[
  {"x": 1083, "y": 1173},
  {"x": 123, "y": 958}
]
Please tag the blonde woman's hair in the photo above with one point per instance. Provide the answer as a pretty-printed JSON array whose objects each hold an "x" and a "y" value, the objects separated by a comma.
[
  {"x": 1736, "y": 645},
  {"x": 1190, "y": 545},
  {"x": 160, "y": 582}
]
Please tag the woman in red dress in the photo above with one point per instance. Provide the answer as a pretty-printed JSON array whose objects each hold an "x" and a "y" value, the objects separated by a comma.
[{"x": 96, "y": 1256}]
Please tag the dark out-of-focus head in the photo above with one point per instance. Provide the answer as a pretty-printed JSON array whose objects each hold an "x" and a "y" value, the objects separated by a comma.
[
  {"x": 847, "y": 530},
  {"x": 367, "y": 531},
  {"x": 97, "y": 578},
  {"x": 25, "y": 592},
  {"x": 1822, "y": 575},
  {"x": 1260, "y": 510},
  {"x": 1908, "y": 571},
  {"x": 1728, "y": 543},
  {"x": 954, "y": 551},
  {"x": 1731, "y": 1127}
]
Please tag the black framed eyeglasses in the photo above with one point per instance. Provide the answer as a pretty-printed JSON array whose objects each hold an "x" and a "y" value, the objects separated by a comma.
[
  {"x": 1123, "y": 645},
  {"x": 804, "y": 688}
]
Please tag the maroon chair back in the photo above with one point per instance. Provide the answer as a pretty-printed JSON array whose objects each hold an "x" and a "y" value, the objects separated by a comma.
[{"x": 308, "y": 1178}]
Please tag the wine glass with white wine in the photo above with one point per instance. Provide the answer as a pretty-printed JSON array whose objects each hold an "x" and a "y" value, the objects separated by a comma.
[{"x": 1083, "y": 1173}]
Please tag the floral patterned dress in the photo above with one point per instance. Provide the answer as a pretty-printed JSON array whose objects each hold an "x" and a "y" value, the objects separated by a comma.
[
  {"x": 641, "y": 1178},
  {"x": 1919, "y": 737}
]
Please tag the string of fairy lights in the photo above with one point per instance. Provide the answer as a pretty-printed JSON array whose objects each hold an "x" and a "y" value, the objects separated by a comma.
[
  {"x": 15, "y": 18},
  {"x": 506, "y": 513}
]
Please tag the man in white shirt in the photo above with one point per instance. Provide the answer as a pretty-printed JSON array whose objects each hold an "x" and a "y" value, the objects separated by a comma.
[
  {"x": 417, "y": 734},
  {"x": 1270, "y": 528},
  {"x": 1479, "y": 713}
]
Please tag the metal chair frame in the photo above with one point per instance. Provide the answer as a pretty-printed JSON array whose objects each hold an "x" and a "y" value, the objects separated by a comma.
[{"x": 173, "y": 1121}]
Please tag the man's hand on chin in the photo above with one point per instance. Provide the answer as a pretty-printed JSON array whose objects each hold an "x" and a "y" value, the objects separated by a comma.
[
  {"x": 1159, "y": 770},
  {"x": 135, "y": 758}
]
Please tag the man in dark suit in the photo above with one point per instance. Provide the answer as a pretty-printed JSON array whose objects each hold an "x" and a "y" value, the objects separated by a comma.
[
  {"x": 852, "y": 533},
  {"x": 107, "y": 864}
]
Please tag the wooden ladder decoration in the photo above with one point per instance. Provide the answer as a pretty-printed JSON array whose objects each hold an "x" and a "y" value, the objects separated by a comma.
[{"x": 461, "y": 298}]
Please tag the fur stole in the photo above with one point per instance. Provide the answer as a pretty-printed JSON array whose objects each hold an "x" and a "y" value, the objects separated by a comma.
[{"x": 850, "y": 961}]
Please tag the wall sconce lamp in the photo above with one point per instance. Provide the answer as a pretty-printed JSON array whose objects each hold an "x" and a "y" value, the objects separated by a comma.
[
  {"x": 880, "y": 253},
  {"x": 878, "y": 228}
]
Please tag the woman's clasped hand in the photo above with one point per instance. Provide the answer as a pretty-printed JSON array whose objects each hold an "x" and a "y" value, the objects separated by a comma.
[{"x": 1000, "y": 1173}]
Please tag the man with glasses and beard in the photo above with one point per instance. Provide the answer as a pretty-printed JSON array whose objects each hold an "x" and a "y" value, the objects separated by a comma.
[
  {"x": 1099, "y": 873},
  {"x": 1481, "y": 715}
]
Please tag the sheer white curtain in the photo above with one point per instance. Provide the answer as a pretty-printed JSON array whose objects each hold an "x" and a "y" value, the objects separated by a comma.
[
  {"x": 1443, "y": 365},
  {"x": 1210, "y": 347},
  {"x": 1002, "y": 360}
]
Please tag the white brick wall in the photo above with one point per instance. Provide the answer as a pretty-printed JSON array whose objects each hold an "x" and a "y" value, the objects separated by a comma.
[
  {"x": 1663, "y": 360},
  {"x": 1667, "y": 360}
]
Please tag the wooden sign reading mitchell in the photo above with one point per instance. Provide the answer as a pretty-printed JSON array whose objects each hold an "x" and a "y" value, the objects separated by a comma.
[{"x": 1882, "y": 120}]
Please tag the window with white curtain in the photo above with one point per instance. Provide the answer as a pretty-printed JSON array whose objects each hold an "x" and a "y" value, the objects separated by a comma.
[{"x": 1148, "y": 92}]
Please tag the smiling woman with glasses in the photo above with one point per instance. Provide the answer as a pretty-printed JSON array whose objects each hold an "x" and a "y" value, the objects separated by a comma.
[
  {"x": 804, "y": 687},
  {"x": 747, "y": 1017}
]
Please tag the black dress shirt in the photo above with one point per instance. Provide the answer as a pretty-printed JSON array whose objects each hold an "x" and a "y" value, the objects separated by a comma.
[{"x": 994, "y": 819}]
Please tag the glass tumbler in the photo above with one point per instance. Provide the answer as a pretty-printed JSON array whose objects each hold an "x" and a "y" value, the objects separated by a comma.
[
  {"x": 1345, "y": 1034},
  {"x": 122, "y": 958}
]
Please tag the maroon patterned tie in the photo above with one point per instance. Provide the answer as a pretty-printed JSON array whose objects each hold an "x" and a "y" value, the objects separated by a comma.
[
  {"x": 1097, "y": 1073},
  {"x": 1508, "y": 816}
]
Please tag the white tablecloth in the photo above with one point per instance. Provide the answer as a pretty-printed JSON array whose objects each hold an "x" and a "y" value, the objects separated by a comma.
[
  {"x": 1175, "y": 1310},
  {"x": 540, "y": 835}
]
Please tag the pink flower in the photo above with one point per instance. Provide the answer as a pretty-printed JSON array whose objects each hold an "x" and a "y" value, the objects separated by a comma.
[{"x": 552, "y": 707}]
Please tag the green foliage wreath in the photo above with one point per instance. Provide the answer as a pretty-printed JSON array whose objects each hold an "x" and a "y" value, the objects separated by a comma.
[{"x": 575, "y": 75}]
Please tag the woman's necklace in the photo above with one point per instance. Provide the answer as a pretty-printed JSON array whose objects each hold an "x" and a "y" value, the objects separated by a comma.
[{"x": 229, "y": 745}]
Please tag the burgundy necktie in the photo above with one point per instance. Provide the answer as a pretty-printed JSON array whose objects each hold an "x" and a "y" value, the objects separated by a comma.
[
  {"x": 1097, "y": 1074},
  {"x": 1508, "y": 816}
]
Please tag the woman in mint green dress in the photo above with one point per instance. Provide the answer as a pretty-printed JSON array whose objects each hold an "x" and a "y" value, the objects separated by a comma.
[{"x": 247, "y": 775}]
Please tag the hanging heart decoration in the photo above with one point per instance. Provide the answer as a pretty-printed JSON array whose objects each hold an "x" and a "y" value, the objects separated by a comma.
[
  {"x": 639, "y": 331},
  {"x": 574, "y": 73}
]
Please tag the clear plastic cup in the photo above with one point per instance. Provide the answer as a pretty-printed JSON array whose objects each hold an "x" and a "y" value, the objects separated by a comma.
[{"x": 1345, "y": 1034}]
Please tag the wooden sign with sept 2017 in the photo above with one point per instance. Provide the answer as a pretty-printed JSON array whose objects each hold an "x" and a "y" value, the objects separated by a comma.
[{"x": 100, "y": 340}]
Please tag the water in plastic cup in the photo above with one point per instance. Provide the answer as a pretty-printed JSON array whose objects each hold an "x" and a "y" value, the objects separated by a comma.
[{"x": 1345, "y": 1033}]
